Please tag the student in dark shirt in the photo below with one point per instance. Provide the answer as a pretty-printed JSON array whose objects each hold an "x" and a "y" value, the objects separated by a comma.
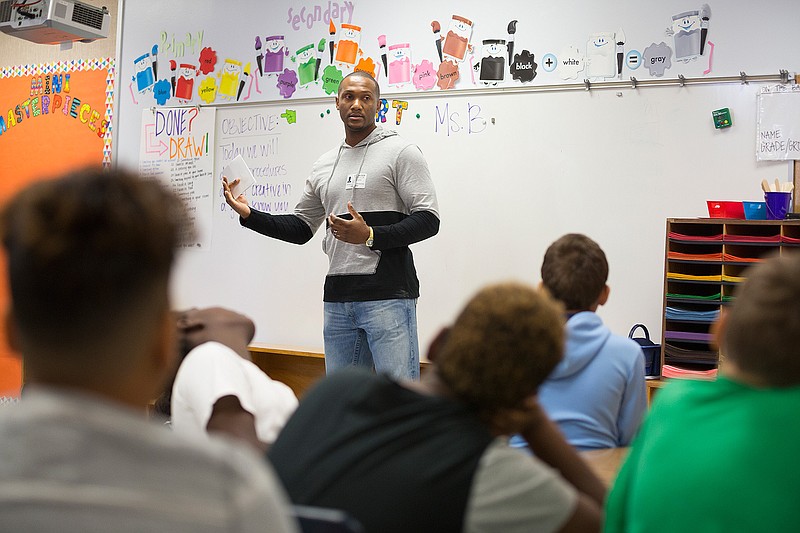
[{"x": 430, "y": 456}]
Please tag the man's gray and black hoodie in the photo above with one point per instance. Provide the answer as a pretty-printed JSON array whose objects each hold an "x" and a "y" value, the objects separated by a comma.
[{"x": 388, "y": 181}]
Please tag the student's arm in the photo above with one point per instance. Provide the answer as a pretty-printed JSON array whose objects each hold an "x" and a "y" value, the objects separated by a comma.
[
  {"x": 549, "y": 445},
  {"x": 229, "y": 418}
]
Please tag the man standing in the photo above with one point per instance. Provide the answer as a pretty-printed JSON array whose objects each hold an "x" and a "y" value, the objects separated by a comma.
[{"x": 375, "y": 194}]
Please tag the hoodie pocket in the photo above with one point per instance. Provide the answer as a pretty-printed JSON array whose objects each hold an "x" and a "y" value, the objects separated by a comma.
[{"x": 345, "y": 258}]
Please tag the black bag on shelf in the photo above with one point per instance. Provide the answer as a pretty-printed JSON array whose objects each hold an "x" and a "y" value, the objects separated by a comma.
[{"x": 651, "y": 350}]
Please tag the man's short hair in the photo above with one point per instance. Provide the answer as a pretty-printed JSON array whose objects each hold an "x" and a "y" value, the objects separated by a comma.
[
  {"x": 763, "y": 324},
  {"x": 86, "y": 253},
  {"x": 575, "y": 271},
  {"x": 362, "y": 74},
  {"x": 502, "y": 346}
]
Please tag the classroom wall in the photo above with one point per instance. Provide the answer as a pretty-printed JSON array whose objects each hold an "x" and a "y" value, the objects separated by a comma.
[{"x": 531, "y": 165}]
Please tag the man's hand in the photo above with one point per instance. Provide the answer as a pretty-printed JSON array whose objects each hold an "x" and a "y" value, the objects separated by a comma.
[
  {"x": 353, "y": 231},
  {"x": 239, "y": 204}
]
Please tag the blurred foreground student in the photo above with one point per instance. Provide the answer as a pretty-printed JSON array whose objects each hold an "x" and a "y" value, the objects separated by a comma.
[
  {"x": 597, "y": 393},
  {"x": 427, "y": 456},
  {"x": 722, "y": 455},
  {"x": 217, "y": 386},
  {"x": 89, "y": 259}
]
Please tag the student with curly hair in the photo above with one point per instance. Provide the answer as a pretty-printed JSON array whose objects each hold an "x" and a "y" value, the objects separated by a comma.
[{"x": 432, "y": 455}]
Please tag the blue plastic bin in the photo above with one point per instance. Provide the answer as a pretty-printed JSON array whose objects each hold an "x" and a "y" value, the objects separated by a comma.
[{"x": 755, "y": 210}]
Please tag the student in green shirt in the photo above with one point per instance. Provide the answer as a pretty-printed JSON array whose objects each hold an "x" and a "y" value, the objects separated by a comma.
[{"x": 723, "y": 455}]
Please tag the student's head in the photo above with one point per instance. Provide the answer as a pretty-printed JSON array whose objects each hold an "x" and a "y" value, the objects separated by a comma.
[
  {"x": 89, "y": 259},
  {"x": 575, "y": 272},
  {"x": 198, "y": 326},
  {"x": 505, "y": 342},
  {"x": 761, "y": 331}
]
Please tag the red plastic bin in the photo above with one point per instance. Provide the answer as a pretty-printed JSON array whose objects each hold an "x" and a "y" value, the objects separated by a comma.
[{"x": 721, "y": 209}]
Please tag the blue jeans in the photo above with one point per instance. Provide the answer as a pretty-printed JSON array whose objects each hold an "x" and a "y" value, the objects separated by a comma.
[{"x": 380, "y": 334}]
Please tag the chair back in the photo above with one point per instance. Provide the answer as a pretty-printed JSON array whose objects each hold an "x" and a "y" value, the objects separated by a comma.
[{"x": 324, "y": 520}]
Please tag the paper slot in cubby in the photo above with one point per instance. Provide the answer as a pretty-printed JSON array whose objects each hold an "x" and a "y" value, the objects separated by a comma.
[{"x": 752, "y": 233}]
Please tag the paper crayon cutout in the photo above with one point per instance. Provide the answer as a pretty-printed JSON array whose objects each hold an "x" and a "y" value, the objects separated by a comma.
[
  {"x": 229, "y": 79},
  {"x": 492, "y": 66},
  {"x": 184, "y": 86},
  {"x": 143, "y": 73},
  {"x": 456, "y": 42},
  {"x": 347, "y": 48},
  {"x": 306, "y": 61},
  {"x": 601, "y": 59},
  {"x": 657, "y": 58},
  {"x": 274, "y": 52},
  {"x": 686, "y": 34},
  {"x": 399, "y": 64},
  {"x": 424, "y": 76}
]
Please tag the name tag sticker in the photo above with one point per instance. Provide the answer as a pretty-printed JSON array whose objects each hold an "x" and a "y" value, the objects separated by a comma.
[{"x": 356, "y": 181}]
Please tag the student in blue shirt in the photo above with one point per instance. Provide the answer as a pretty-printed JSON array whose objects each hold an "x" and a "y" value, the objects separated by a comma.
[{"x": 597, "y": 393}]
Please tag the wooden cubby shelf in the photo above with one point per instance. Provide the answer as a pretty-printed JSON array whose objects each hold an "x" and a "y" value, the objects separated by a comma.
[{"x": 705, "y": 260}]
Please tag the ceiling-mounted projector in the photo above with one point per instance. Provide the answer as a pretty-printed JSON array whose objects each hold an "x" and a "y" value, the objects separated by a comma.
[{"x": 53, "y": 21}]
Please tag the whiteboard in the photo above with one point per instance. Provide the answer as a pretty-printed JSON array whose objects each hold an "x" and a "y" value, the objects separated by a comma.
[
  {"x": 513, "y": 171},
  {"x": 778, "y": 133}
]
